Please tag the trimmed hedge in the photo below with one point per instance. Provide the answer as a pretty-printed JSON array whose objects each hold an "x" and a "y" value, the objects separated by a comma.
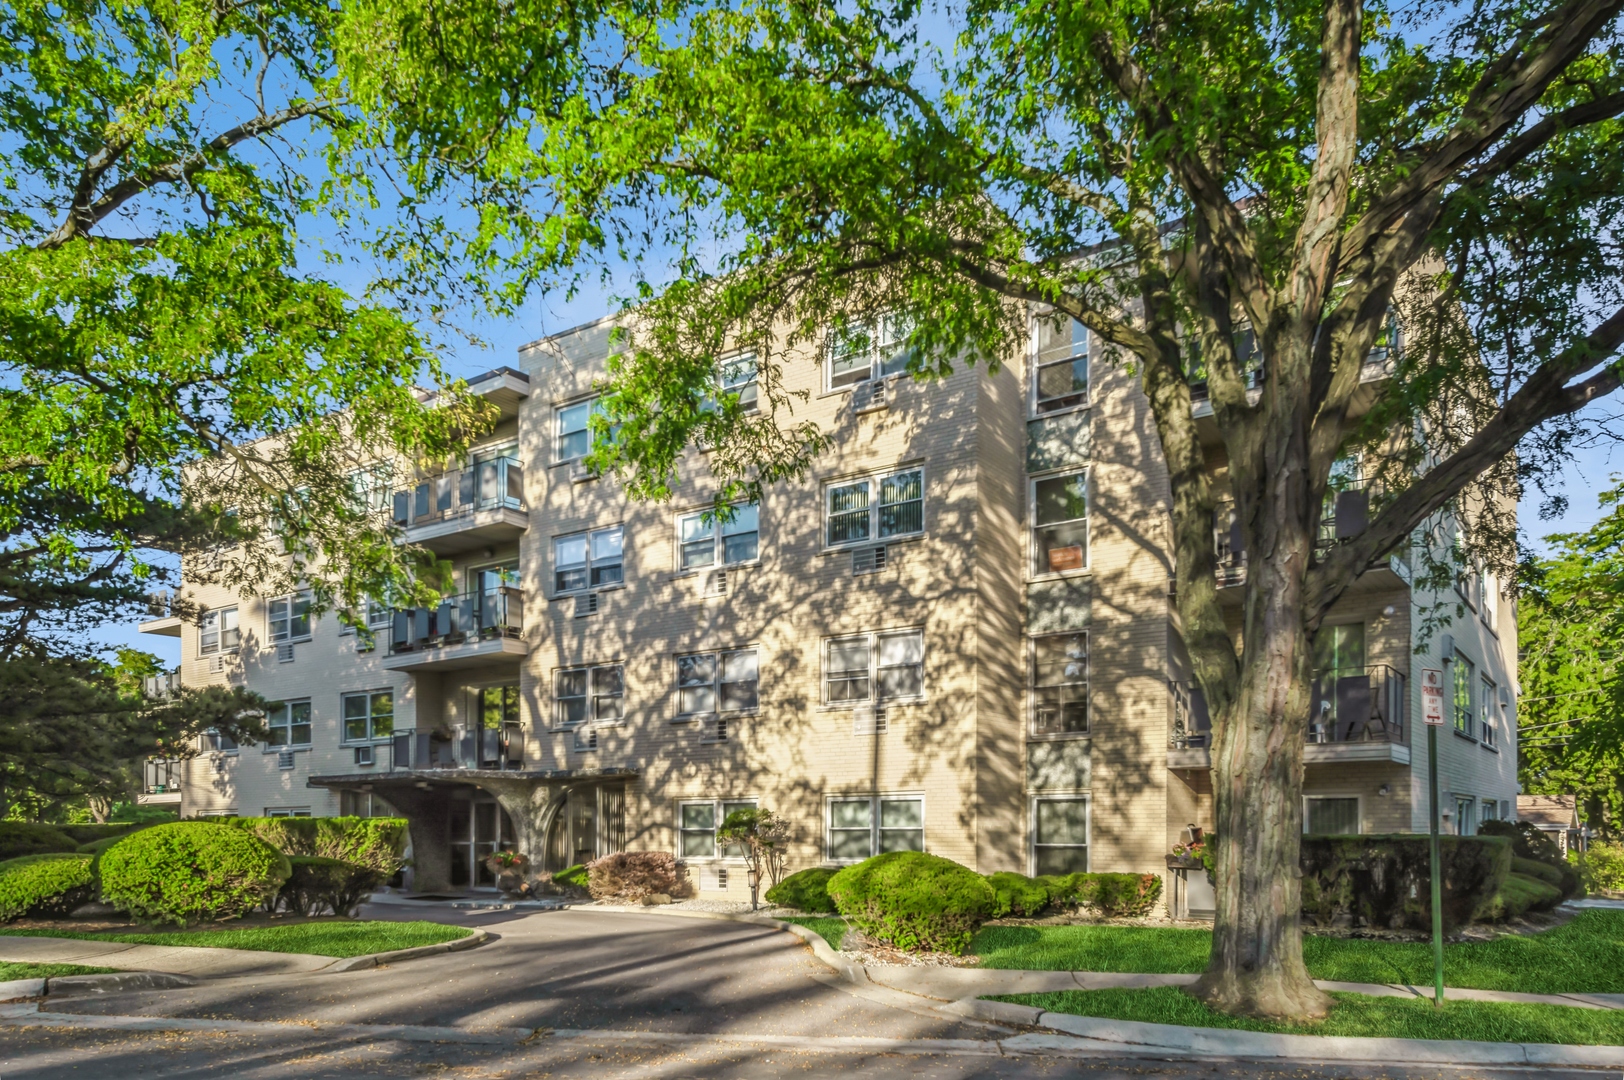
[
  {"x": 373, "y": 842},
  {"x": 914, "y": 901},
  {"x": 48, "y": 885},
  {"x": 316, "y": 884},
  {"x": 1520, "y": 894},
  {"x": 1533, "y": 868},
  {"x": 191, "y": 870},
  {"x": 19, "y": 838},
  {"x": 1384, "y": 881},
  {"x": 1535, "y": 846},
  {"x": 575, "y": 876},
  {"x": 89, "y": 834},
  {"x": 805, "y": 890},
  {"x": 1021, "y": 896},
  {"x": 1113, "y": 895}
]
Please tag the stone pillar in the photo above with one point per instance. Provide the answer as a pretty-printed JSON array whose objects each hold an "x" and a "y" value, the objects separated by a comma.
[
  {"x": 530, "y": 804},
  {"x": 425, "y": 812}
]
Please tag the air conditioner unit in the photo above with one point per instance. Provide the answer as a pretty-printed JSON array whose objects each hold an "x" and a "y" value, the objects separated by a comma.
[
  {"x": 871, "y": 395},
  {"x": 363, "y": 755},
  {"x": 586, "y": 604},
  {"x": 284, "y": 759},
  {"x": 586, "y": 738},
  {"x": 217, "y": 664},
  {"x": 580, "y": 474},
  {"x": 713, "y": 729},
  {"x": 713, "y": 583},
  {"x": 867, "y": 720},
  {"x": 284, "y": 653},
  {"x": 867, "y": 560}
]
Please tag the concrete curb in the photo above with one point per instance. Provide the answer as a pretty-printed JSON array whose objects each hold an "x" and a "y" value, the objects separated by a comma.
[
  {"x": 13, "y": 989},
  {"x": 117, "y": 982},
  {"x": 397, "y": 956}
]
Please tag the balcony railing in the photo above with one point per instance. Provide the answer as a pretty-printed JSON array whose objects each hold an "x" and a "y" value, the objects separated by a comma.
[
  {"x": 487, "y": 485},
  {"x": 160, "y": 776},
  {"x": 468, "y": 748},
  {"x": 1347, "y": 512},
  {"x": 1192, "y": 725},
  {"x": 162, "y": 685},
  {"x": 1364, "y": 704},
  {"x": 458, "y": 620}
]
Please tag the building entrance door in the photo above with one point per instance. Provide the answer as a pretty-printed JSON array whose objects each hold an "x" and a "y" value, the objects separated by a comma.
[{"x": 479, "y": 826}]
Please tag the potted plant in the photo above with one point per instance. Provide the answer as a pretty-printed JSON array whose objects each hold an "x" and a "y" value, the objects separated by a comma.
[{"x": 510, "y": 868}]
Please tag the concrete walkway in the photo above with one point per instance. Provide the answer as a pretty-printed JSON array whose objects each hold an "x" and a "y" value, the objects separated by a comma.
[{"x": 197, "y": 961}]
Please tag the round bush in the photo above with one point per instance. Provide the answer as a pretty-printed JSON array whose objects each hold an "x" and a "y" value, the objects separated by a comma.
[
  {"x": 191, "y": 870},
  {"x": 46, "y": 885},
  {"x": 19, "y": 838},
  {"x": 804, "y": 890},
  {"x": 914, "y": 901}
]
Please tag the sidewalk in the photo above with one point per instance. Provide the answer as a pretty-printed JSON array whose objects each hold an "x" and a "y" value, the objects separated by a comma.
[{"x": 192, "y": 960}]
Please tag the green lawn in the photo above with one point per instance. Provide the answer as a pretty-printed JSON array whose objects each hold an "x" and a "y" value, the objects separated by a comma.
[
  {"x": 10, "y": 971},
  {"x": 1584, "y": 956},
  {"x": 337, "y": 938},
  {"x": 830, "y": 927},
  {"x": 1353, "y": 1014}
]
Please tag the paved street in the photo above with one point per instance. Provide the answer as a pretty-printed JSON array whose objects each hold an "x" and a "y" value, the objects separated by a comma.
[{"x": 623, "y": 995}]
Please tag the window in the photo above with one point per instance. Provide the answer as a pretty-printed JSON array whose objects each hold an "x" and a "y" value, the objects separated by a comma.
[
  {"x": 894, "y": 660},
  {"x": 218, "y": 741},
  {"x": 1486, "y": 703},
  {"x": 705, "y": 539},
  {"x": 373, "y": 615},
  {"x": 289, "y": 618},
  {"x": 1060, "y": 685},
  {"x": 1340, "y": 649},
  {"x": 697, "y": 823},
  {"x": 287, "y": 811},
  {"x": 1334, "y": 816},
  {"x": 363, "y": 804},
  {"x": 373, "y": 487},
  {"x": 1489, "y": 812},
  {"x": 1060, "y": 835},
  {"x": 875, "y": 508},
  {"x": 1060, "y": 375},
  {"x": 218, "y": 632},
  {"x": 867, "y": 351},
  {"x": 574, "y": 438},
  {"x": 369, "y": 716},
  {"x": 288, "y": 723},
  {"x": 1488, "y": 599},
  {"x": 1463, "y": 695},
  {"x": 1060, "y": 523},
  {"x": 718, "y": 682},
  {"x": 589, "y": 560},
  {"x": 872, "y": 825},
  {"x": 1469, "y": 581},
  {"x": 589, "y": 695},
  {"x": 738, "y": 376},
  {"x": 1465, "y": 815},
  {"x": 498, "y": 705}
]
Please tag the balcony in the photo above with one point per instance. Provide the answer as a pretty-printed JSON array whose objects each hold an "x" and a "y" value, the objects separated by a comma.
[
  {"x": 160, "y": 781},
  {"x": 484, "y": 749},
  {"x": 1346, "y": 515},
  {"x": 1357, "y": 714},
  {"x": 161, "y": 619},
  {"x": 462, "y": 631},
  {"x": 480, "y": 506},
  {"x": 161, "y": 686}
]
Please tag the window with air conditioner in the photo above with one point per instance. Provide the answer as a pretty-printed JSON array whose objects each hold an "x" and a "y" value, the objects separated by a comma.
[
  {"x": 859, "y": 352},
  {"x": 1060, "y": 523},
  {"x": 718, "y": 682},
  {"x": 589, "y": 695},
  {"x": 697, "y": 822},
  {"x": 287, "y": 724},
  {"x": 875, "y": 668},
  {"x": 368, "y": 716},
  {"x": 1060, "y": 368},
  {"x": 874, "y": 508},
  {"x": 1060, "y": 835},
  {"x": 1060, "y": 685},
  {"x": 288, "y": 618},
  {"x": 864, "y": 826},
  {"x": 705, "y": 540},
  {"x": 589, "y": 560},
  {"x": 218, "y": 633}
]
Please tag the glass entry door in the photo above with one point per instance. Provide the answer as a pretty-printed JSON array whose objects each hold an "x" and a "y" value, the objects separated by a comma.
[{"x": 478, "y": 827}]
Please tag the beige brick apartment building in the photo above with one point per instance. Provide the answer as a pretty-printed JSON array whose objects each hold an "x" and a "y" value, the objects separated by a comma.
[{"x": 955, "y": 636}]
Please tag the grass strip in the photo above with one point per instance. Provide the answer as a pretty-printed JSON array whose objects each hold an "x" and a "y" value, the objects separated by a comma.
[
  {"x": 1583, "y": 956},
  {"x": 10, "y": 971},
  {"x": 1355, "y": 1014},
  {"x": 339, "y": 938},
  {"x": 831, "y": 928}
]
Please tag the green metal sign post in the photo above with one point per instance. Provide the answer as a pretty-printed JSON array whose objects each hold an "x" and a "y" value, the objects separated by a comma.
[{"x": 1432, "y": 711}]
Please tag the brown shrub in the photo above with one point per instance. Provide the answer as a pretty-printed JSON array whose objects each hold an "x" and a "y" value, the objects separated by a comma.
[{"x": 632, "y": 875}]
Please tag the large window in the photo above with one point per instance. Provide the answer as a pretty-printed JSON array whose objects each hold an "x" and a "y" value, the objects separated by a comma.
[
  {"x": 288, "y": 618},
  {"x": 594, "y": 695},
  {"x": 737, "y": 375},
  {"x": 875, "y": 508},
  {"x": 1060, "y": 684},
  {"x": 881, "y": 667},
  {"x": 718, "y": 682},
  {"x": 860, "y": 828},
  {"x": 589, "y": 560},
  {"x": 1463, "y": 679},
  {"x": 1060, "y": 835},
  {"x": 288, "y": 723},
  {"x": 369, "y": 716},
  {"x": 498, "y": 705},
  {"x": 867, "y": 351},
  {"x": 1060, "y": 376},
  {"x": 1060, "y": 523},
  {"x": 697, "y": 823},
  {"x": 1465, "y": 816},
  {"x": 1336, "y": 815},
  {"x": 705, "y": 539},
  {"x": 1487, "y": 702},
  {"x": 218, "y": 632},
  {"x": 573, "y": 438}
]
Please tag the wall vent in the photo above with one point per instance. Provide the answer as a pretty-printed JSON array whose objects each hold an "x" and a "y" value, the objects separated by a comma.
[
  {"x": 713, "y": 729},
  {"x": 867, "y": 560},
  {"x": 721, "y": 877},
  {"x": 284, "y": 759},
  {"x": 586, "y": 738},
  {"x": 284, "y": 653},
  {"x": 867, "y": 720},
  {"x": 713, "y": 583},
  {"x": 363, "y": 755},
  {"x": 217, "y": 664},
  {"x": 873, "y": 395},
  {"x": 586, "y": 604}
]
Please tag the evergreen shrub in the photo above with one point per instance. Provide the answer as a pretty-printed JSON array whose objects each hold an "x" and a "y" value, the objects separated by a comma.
[
  {"x": 1534, "y": 845},
  {"x": 573, "y": 876},
  {"x": 89, "y": 834},
  {"x": 1385, "y": 881},
  {"x": 374, "y": 842},
  {"x": 1602, "y": 866},
  {"x": 1021, "y": 896},
  {"x": 805, "y": 890},
  {"x": 1519, "y": 894},
  {"x": 187, "y": 871},
  {"x": 318, "y": 885},
  {"x": 19, "y": 838},
  {"x": 914, "y": 901},
  {"x": 46, "y": 885}
]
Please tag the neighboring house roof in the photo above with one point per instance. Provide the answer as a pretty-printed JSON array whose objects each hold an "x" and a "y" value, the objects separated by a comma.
[{"x": 1548, "y": 811}]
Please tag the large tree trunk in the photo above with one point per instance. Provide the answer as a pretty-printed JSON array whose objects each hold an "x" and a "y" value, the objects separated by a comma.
[{"x": 1256, "y": 968}]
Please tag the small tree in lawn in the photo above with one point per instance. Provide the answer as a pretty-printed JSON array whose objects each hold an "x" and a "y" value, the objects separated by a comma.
[{"x": 761, "y": 836}]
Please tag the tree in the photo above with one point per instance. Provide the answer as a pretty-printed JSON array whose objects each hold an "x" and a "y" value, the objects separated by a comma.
[
  {"x": 1570, "y": 634},
  {"x": 1167, "y": 173},
  {"x": 760, "y": 835}
]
